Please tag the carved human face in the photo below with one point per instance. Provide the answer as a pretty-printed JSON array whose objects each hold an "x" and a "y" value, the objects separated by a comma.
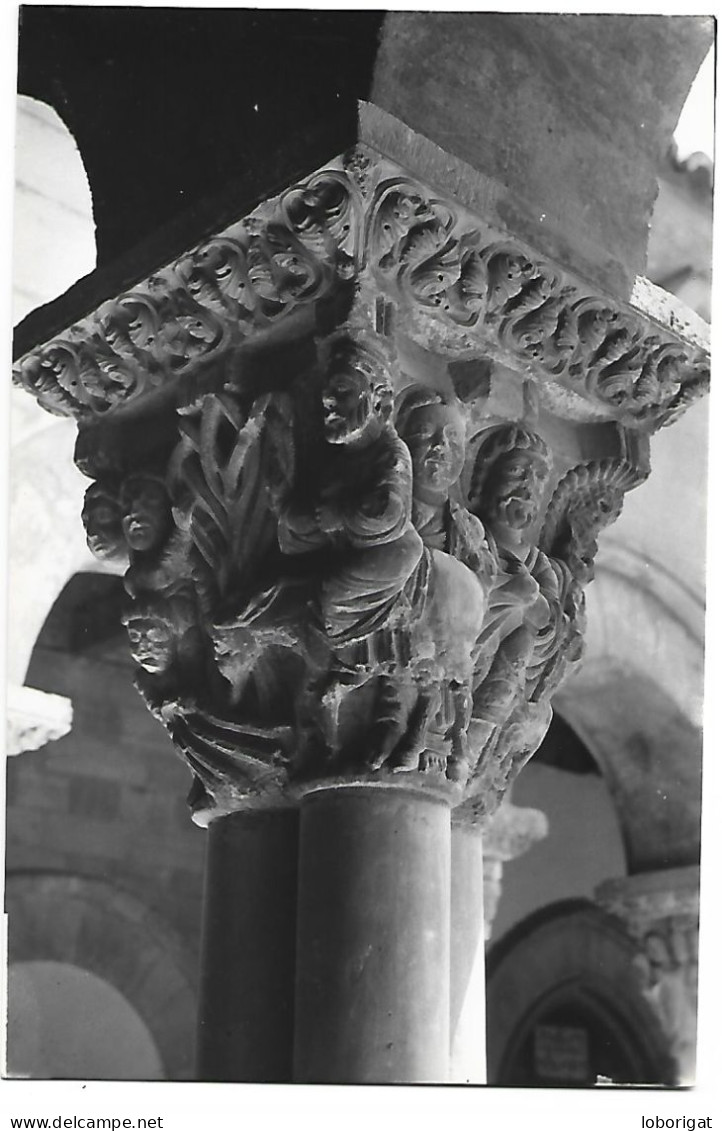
[
  {"x": 103, "y": 526},
  {"x": 515, "y": 490},
  {"x": 347, "y": 405},
  {"x": 435, "y": 437},
  {"x": 146, "y": 513},
  {"x": 151, "y": 643}
]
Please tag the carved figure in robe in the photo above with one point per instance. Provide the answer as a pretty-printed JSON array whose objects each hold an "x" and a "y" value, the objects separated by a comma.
[
  {"x": 532, "y": 659},
  {"x": 443, "y": 633},
  {"x": 434, "y": 430},
  {"x": 356, "y": 516},
  {"x": 349, "y": 513},
  {"x": 511, "y": 472},
  {"x": 588, "y": 498}
]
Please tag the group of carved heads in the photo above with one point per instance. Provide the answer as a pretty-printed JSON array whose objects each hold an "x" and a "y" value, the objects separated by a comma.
[{"x": 126, "y": 516}]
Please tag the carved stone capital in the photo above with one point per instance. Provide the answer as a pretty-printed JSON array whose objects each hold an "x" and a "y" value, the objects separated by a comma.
[
  {"x": 512, "y": 831},
  {"x": 661, "y": 912},
  {"x": 35, "y": 718},
  {"x": 507, "y": 835},
  {"x": 326, "y": 445}
]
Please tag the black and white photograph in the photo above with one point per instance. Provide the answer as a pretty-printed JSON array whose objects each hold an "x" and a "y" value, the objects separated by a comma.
[{"x": 357, "y": 554}]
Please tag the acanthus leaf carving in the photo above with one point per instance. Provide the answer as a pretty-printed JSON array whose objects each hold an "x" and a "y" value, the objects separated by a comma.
[
  {"x": 438, "y": 261},
  {"x": 291, "y": 252}
]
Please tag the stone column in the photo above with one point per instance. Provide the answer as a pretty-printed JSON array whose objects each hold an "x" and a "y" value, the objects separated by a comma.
[
  {"x": 372, "y": 1001},
  {"x": 661, "y": 912},
  {"x": 478, "y": 854},
  {"x": 245, "y": 1020},
  {"x": 468, "y": 971},
  {"x": 356, "y": 450}
]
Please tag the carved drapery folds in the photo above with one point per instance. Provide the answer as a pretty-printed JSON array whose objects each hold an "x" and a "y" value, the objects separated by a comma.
[{"x": 336, "y": 570}]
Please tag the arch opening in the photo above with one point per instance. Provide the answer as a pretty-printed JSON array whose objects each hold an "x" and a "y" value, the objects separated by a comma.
[{"x": 68, "y": 1023}]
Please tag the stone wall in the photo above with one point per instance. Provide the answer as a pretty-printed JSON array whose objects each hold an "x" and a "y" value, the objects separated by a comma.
[{"x": 107, "y": 802}]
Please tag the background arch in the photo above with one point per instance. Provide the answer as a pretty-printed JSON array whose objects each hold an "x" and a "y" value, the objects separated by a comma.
[
  {"x": 571, "y": 953},
  {"x": 99, "y": 928},
  {"x": 66, "y": 1023}
]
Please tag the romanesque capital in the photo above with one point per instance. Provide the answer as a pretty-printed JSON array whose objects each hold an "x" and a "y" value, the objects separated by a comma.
[
  {"x": 355, "y": 452},
  {"x": 661, "y": 912},
  {"x": 35, "y": 718},
  {"x": 509, "y": 833}
]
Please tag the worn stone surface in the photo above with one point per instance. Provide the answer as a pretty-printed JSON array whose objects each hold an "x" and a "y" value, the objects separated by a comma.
[{"x": 570, "y": 114}]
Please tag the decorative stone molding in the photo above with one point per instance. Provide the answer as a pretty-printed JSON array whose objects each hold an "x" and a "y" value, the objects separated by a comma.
[
  {"x": 346, "y": 562},
  {"x": 661, "y": 912},
  {"x": 462, "y": 284},
  {"x": 35, "y": 718},
  {"x": 510, "y": 833}
]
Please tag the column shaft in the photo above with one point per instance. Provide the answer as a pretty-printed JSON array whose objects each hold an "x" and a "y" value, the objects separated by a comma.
[
  {"x": 372, "y": 1003},
  {"x": 468, "y": 990},
  {"x": 247, "y": 965}
]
